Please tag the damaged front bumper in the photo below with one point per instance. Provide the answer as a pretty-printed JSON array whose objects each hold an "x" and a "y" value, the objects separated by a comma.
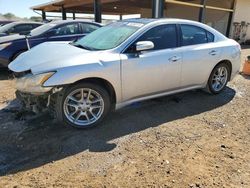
[
  {"x": 33, "y": 83},
  {"x": 31, "y": 92},
  {"x": 34, "y": 103}
]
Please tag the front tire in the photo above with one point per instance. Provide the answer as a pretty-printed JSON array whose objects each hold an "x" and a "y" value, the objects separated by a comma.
[
  {"x": 218, "y": 79},
  {"x": 82, "y": 105}
]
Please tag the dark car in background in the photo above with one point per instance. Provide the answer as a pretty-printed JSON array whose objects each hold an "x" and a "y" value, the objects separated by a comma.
[
  {"x": 4, "y": 22},
  {"x": 14, "y": 45},
  {"x": 18, "y": 28}
]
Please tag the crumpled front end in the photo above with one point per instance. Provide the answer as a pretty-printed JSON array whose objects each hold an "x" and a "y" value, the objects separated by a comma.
[
  {"x": 33, "y": 84},
  {"x": 31, "y": 92},
  {"x": 34, "y": 103}
]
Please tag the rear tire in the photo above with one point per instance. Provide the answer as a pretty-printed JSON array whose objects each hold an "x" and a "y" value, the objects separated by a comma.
[
  {"x": 83, "y": 105},
  {"x": 218, "y": 79}
]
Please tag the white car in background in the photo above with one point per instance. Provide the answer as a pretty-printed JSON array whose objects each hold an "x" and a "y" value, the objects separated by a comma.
[{"x": 122, "y": 63}]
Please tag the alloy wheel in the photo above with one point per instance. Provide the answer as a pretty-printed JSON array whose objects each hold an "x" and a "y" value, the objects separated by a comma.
[
  {"x": 220, "y": 78},
  {"x": 83, "y": 106}
]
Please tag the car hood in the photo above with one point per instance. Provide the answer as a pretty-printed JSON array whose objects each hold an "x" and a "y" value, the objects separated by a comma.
[
  {"x": 50, "y": 56},
  {"x": 10, "y": 38}
]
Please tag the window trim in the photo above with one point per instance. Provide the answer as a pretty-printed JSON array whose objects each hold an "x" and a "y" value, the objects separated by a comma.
[
  {"x": 177, "y": 38},
  {"x": 181, "y": 35}
]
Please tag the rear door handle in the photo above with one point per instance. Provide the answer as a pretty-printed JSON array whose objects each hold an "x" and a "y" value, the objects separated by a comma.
[
  {"x": 174, "y": 59},
  {"x": 213, "y": 52}
]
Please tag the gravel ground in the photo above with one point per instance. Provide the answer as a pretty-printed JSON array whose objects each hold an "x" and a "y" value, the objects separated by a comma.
[{"x": 187, "y": 140}]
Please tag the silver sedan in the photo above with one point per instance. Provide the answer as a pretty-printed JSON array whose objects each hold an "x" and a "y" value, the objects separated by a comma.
[{"x": 122, "y": 63}]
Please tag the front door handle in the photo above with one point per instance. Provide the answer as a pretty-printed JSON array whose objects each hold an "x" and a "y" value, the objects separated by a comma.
[
  {"x": 174, "y": 59},
  {"x": 213, "y": 52}
]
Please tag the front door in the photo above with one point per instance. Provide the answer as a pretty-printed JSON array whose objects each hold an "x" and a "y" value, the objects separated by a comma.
[{"x": 154, "y": 71}]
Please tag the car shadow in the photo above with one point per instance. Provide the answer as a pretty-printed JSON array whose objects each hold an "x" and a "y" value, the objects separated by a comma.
[{"x": 42, "y": 141}]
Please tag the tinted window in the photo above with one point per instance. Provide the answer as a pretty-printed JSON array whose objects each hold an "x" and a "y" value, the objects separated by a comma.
[
  {"x": 69, "y": 29},
  {"x": 42, "y": 29},
  {"x": 210, "y": 37},
  {"x": 163, "y": 37},
  {"x": 20, "y": 28},
  {"x": 7, "y": 27},
  {"x": 35, "y": 26},
  {"x": 88, "y": 28},
  {"x": 192, "y": 35}
]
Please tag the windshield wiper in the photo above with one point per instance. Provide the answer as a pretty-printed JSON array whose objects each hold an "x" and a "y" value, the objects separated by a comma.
[{"x": 83, "y": 47}]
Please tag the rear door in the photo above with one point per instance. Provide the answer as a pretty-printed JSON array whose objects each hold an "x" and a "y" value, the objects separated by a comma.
[{"x": 199, "y": 53}]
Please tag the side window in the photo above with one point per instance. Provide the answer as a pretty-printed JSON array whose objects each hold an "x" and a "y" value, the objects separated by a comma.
[
  {"x": 70, "y": 29},
  {"x": 88, "y": 28},
  {"x": 163, "y": 36},
  {"x": 22, "y": 27},
  {"x": 192, "y": 35},
  {"x": 210, "y": 37},
  {"x": 35, "y": 26}
]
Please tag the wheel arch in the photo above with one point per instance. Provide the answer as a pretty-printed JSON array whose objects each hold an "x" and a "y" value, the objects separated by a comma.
[
  {"x": 228, "y": 63},
  {"x": 104, "y": 83}
]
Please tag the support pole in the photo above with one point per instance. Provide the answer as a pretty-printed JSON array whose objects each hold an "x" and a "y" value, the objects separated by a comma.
[
  {"x": 74, "y": 15},
  {"x": 43, "y": 15},
  {"x": 98, "y": 11},
  {"x": 202, "y": 14},
  {"x": 158, "y": 8},
  {"x": 64, "y": 15}
]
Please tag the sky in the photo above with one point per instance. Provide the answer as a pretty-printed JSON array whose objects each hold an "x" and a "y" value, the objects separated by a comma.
[{"x": 20, "y": 8}]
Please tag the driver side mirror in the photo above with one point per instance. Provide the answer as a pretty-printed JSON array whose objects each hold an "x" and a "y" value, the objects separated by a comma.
[{"x": 144, "y": 46}]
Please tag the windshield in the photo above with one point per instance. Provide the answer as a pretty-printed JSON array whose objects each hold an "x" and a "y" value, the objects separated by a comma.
[
  {"x": 108, "y": 37},
  {"x": 41, "y": 29},
  {"x": 5, "y": 28}
]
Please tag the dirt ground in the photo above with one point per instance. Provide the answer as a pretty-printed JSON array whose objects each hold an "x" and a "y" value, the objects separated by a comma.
[{"x": 188, "y": 140}]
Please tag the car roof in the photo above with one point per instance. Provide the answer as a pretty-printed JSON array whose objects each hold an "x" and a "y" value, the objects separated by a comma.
[
  {"x": 58, "y": 22},
  {"x": 154, "y": 20},
  {"x": 24, "y": 22},
  {"x": 140, "y": 20}
]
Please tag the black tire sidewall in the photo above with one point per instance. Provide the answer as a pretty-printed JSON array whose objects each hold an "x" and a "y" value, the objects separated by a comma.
[
  {"x": 210, "y": 81},
  {"x": 60, "y": 103}
]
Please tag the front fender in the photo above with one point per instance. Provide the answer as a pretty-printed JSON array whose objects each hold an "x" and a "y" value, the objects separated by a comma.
[{"x": 69, "y": 75}]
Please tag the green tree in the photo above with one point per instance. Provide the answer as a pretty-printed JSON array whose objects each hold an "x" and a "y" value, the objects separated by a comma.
[
  {"x": 9, "y": 16},
  {"x": 36, "y": 18}
]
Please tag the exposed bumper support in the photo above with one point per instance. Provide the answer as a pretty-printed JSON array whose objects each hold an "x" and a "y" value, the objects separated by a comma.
[{"x": 33, "y": 102}]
